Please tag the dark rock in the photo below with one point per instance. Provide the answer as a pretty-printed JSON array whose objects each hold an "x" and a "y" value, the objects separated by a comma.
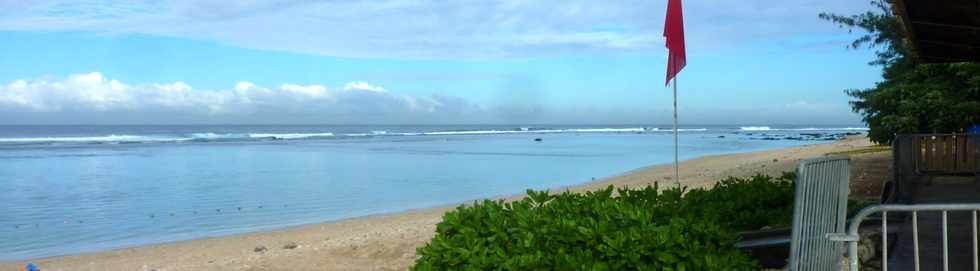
[
  {"x": 290, "y": 245},
  {"x": 538, "y": 139},
  {"x": 260, "y": 249}
]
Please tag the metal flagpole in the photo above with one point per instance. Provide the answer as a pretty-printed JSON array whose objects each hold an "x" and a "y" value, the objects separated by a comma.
[{"x": 676, "y": 166}]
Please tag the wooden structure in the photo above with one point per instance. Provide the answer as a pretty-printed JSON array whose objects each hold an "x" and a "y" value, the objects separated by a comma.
[
  {"x": 919, "y": 158},
  {"x": 927, "y": 211},
  {"x": 941, "y": 30},
  {"x": 932, "y": 169},
  {"x": 931, "y": 212}
]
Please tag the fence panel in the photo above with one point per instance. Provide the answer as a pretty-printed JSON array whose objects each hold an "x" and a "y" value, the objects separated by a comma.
[{"x": 820, "y": 208}]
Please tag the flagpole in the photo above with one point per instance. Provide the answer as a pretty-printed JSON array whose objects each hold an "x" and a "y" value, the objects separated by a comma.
[
  {"x": 676, "y": 60},
  {"x": 677, "y": 179}
]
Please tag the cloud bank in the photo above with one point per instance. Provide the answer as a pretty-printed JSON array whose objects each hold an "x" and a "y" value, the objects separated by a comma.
[
  {"x": 92, "y": 98},
  {"x": 434, "y": 29},
  {"x": 81, "y": 95}
]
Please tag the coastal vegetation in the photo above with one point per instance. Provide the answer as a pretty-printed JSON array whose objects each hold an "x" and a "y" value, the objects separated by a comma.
[
  {"x": 911, "y": 98},
  {"x": 612, "y": 229}
]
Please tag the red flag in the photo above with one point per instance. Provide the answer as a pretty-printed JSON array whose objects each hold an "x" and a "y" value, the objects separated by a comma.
[{"x": 674, "y": 35}]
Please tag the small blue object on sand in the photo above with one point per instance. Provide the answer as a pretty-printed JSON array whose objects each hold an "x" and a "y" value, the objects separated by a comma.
[{"x": 31, "y": 267}]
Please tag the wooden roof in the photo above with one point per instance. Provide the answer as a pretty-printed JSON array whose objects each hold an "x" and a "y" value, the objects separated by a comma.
[{"x": 942, "y": 30}]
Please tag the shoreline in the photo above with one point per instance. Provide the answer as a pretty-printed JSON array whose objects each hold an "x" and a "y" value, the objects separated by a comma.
[{"x": 387, "y": 241}]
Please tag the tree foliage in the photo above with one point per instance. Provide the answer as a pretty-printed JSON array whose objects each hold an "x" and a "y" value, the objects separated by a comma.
[{"x": 912, "y": 98}]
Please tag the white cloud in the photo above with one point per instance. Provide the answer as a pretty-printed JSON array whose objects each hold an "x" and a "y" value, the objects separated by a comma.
[
  {"x": 307, "y": 92},
  {"x": 360, "y": 85},
  {"x": 92, "y": 92},
  {"x": 244, "y": 86},
  {"x": 94, "y": 98},
  {"x": 433, "y": 29}
]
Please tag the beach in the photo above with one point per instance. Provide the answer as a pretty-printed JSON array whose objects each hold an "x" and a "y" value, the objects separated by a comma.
[{"x": 388, "y": 242}]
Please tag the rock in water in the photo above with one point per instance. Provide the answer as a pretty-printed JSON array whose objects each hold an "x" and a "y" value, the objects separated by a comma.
[{"x": 538, "y": 139}]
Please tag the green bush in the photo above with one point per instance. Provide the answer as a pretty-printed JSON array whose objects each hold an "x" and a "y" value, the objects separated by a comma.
[
  {"x": 649, "y": 228},
  {"x": 747, "y": 204}
]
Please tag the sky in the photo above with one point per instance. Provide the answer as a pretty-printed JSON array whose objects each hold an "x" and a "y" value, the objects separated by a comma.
[{"x": 424, "y": 62}]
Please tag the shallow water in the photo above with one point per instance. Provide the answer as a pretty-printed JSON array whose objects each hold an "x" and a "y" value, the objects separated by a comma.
[{"x": 72, "y": 189}]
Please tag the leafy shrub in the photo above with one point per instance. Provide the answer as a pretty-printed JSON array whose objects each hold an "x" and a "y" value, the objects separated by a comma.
[
  {"x": 747, "y": 204},
  {"x": 649, "y": 228}
]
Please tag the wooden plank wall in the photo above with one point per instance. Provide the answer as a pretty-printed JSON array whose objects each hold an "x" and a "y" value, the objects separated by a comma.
[{"x": 947, "y": 153}]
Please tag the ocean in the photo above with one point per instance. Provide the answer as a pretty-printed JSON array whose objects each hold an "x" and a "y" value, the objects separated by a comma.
[{"x": 75, "y": 189}]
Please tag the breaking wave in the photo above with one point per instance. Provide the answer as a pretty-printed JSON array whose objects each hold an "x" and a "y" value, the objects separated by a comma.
[
  {"x": 108, "y": 138},
  {"x": 524, "y": 130},
  {"x": 291, "y": 135},
  {"x": 767, "y": 128}
]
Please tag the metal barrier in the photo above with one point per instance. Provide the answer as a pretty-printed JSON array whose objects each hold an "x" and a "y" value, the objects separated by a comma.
[
  {"x": 852, "y": 237},
  {"x": 820, "y": 208}
]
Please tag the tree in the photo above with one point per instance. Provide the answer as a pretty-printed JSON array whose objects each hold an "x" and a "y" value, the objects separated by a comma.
[{"x": 912, "y": 98}]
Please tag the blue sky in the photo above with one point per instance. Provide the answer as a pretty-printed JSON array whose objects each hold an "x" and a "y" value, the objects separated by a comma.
[{"x": 323, "y": 62}]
